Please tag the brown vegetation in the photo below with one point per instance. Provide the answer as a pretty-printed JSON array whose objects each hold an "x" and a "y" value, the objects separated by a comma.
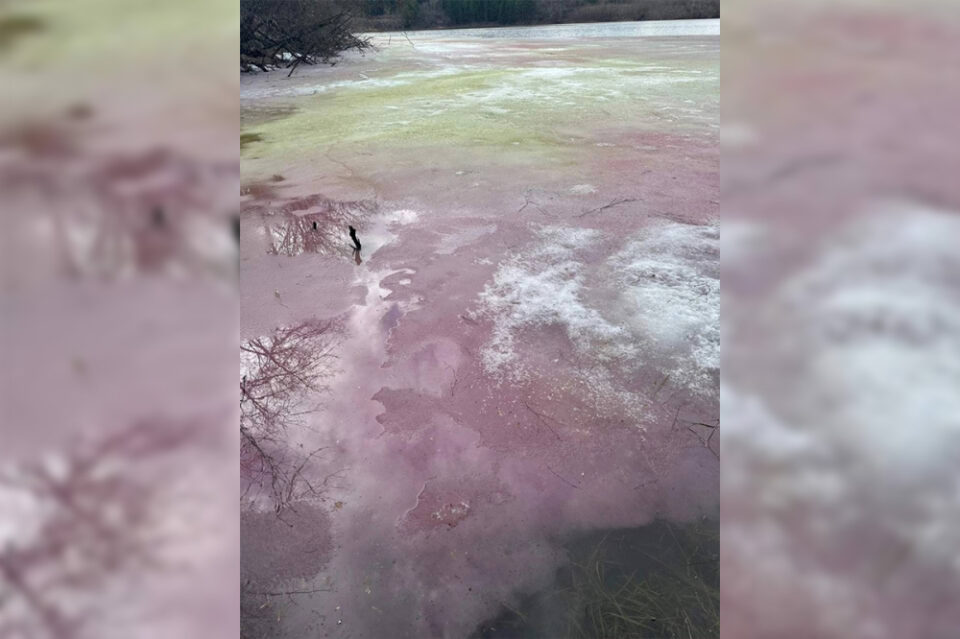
[{"x": 287, "y": 33}]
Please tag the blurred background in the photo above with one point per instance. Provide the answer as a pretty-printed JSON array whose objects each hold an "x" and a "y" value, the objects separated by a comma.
[
  {"x": 840, "y": 319},
  {"x": 840, "y": 313},
  {"x": 118, "y": 189}
]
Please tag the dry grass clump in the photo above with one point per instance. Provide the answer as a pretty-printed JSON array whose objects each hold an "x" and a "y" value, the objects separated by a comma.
[{"x": 675, "y": 594}]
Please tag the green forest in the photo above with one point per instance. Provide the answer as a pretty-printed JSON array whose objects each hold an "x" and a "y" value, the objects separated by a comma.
[{"x": 427, "y": 14}]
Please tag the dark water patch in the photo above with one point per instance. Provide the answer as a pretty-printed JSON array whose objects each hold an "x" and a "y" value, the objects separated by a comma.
[
  {"x": 259, "y": 190},
  {"x": 295, "y": 544},
  {"x": 253, "y": 115},
  {"x": 247, "y": 139},
  {"x": 41, "y": 140},
  {"x": 277, "y": 554},
  {"x": 14, "y": 28},
  {"x": 79, "y": 111},
  {"x": 391, "y": 317},
  {"x": 658, "y": 581}
]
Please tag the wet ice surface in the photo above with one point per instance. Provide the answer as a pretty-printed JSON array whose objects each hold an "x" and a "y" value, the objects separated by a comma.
[{"x": 530, "y": 341}]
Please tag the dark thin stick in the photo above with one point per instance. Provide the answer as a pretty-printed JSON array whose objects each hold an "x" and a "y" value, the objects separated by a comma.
[
  {"x": 291, "y": 592},
  {"x": 607, "y": 206},
  {"x": 542, "y": 419},
  {"x": 715, "y": 453},
  {"x": 566, "y": 481}
]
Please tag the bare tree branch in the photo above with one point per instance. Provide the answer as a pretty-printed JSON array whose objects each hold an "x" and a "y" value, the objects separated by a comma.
[
  {"x": 89, "y": 515},
  {"x": 280, "y": 372},
  {"x": 288, "y": 33}
]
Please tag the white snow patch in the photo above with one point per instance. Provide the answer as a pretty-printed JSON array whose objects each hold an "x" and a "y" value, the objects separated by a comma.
[
  {"x": 209, "y": 242},
  {"x": 21, "y": 513},
  {"x": 396, "y": 80},
  {"x": 671, "y": 293},
  {"x": 738, "y": 135},
  {"x": 401, "y": 217},
  {"x": 877, "y": 317},
  {"x": 667, "y": 309},
  {"x": 583, "y": 189},
  {"x": 858, "y": 432},
  {"x": 542, "y": 287},
  {"x": 742, "y": 238},
  {"x": 776, "y": 465}
]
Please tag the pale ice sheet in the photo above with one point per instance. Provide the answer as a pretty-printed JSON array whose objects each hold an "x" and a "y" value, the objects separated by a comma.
[{"x": 667, "y": 308}]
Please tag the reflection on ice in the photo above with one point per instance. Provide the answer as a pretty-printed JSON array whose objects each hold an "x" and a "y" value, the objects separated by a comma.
[{"x": 323, "y": 229}]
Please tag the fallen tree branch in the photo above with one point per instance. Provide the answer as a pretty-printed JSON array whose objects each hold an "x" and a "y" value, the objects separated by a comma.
[{"x": 600, "y": 209}]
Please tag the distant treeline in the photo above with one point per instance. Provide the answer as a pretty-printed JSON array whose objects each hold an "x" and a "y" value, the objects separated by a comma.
[{"x": 387, "y": 15}]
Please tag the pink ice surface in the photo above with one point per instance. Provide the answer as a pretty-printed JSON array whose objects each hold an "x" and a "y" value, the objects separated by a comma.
[
  {"x": 840, "y": 279},
  {"x": 521, "y": 361}
]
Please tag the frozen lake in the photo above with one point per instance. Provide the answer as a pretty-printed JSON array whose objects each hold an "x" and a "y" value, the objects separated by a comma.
[{"x": 526, "y": 348}]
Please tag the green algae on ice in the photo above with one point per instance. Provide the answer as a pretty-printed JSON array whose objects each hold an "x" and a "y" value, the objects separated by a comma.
[{"x": 520, "y": 108}]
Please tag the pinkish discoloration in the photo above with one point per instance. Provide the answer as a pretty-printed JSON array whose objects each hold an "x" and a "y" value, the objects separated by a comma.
[
  {"x": 520, "y": 363},
  {"x": 839, "y": 194}
]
